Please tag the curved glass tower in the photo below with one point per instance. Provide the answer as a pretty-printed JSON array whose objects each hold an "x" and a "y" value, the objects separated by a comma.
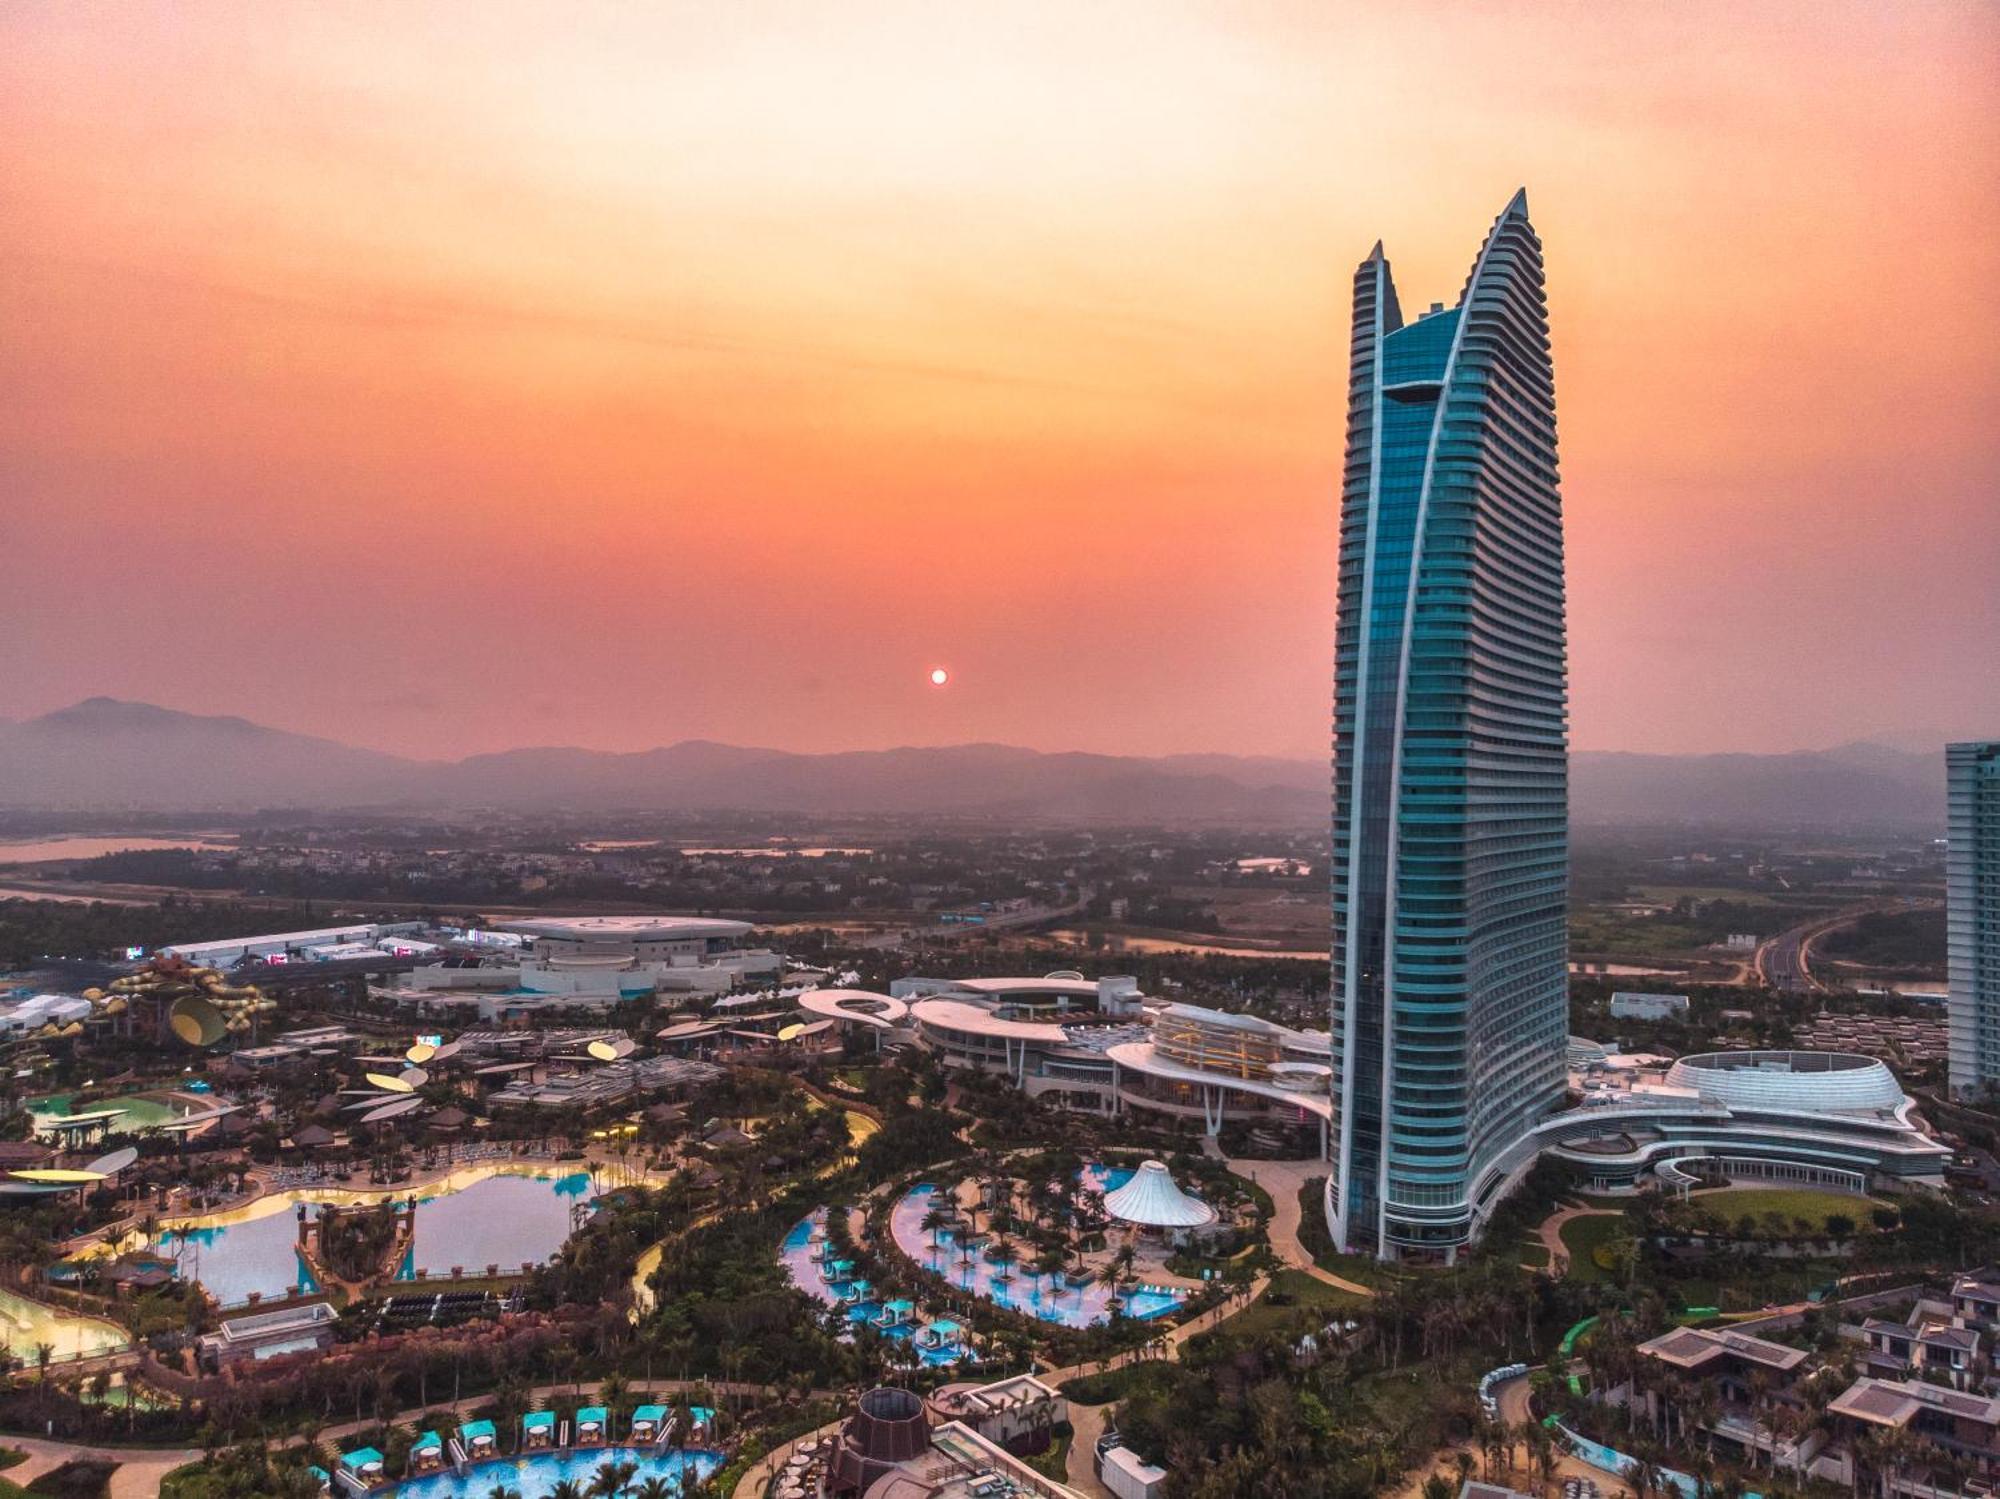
[{"x": 1450, "y": 806}]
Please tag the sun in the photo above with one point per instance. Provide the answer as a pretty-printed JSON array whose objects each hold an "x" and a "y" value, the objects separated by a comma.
[{"x": 939, "y": 676}]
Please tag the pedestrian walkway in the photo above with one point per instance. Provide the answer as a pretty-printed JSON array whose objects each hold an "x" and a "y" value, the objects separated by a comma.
[
  {"x": 1284, "y": 1180},
  {"x": 141, "y": 1473}
]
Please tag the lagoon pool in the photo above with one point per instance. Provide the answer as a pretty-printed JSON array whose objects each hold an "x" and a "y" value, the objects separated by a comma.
[
  {"x": 1019, "y": 1287},
  {"x": 537, "y": 1474},
  {"x": 142, "y": 1111},
  {"x": 25, "y": 1323},
  {"x": 803, "y": 1269},
  {"x": 504, "y": 1218}
]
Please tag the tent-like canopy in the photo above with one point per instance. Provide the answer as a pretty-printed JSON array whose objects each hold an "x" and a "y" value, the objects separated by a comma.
[{"x": 1151, "y": 1200}]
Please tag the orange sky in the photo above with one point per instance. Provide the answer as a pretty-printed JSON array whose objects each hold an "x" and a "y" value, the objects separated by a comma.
[{"x": 445, "y": 377}]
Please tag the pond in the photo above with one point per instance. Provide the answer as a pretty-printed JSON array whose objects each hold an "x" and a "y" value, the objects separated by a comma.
[
  {"x": 143, "y": 1111},
  {"x": 536, "y": 1475},
  {"x": 24, "y": 1323},
  {"x": 473, "y": 1219}
]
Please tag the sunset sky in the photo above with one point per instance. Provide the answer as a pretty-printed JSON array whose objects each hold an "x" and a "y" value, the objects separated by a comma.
[{"x": 445, "y": 377}]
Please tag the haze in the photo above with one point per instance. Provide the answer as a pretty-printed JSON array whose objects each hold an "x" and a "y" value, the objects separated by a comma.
[{"x": 453, "y": 377}]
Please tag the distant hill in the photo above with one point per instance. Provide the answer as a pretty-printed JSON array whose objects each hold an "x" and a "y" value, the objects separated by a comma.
[
  {"x": 107, "y": 753},
  {"x": 1857, "y": 785},
  {"x": 104, "y": 753}
]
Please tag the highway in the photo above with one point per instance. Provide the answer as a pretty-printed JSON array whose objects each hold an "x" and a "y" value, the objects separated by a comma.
[
  {"x": 1785, "y": 961},
  {"x": 1008, "y": 921}
]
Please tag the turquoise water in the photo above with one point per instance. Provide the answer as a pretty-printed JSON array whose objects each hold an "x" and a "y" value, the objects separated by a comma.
[
  {"x": 503, "y": 1220},
  {"x": 537, "y": 1474},
  {"x": 142, "y": 1111},
  {"x": 1019, "y": 1288},
  {"x": 796, "y": 1252}
]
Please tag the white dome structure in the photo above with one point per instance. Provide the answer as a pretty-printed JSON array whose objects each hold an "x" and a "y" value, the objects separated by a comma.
[
  {"x": 1151, "y": 1200},
  {"x": 1804, "y": 1082}
]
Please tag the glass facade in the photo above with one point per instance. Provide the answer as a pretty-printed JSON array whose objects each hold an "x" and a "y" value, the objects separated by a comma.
[
  {"x": 1450, "y": 750},
  {"x": 1972, "y": 925}
]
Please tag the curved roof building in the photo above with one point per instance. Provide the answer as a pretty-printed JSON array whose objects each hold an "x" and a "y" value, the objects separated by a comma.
[
  {"x": 1450, "y": 819},
  {"x": 1816, "y": 1118},
  {"x": 1807, "y": 1082},
  {"x": 855, "y": 1007}
]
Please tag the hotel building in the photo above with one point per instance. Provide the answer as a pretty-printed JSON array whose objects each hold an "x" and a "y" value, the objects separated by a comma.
[
  {"x": 1450, "y": 816},
  {"x": 1972, "y": 898}
]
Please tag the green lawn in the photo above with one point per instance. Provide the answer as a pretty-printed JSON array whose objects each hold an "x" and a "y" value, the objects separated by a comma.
[
  {"x": 1582, "y": 1236},
  {"x": 1288, "y": 1291},
  {"x": 1054, "y": 1462},
  {"x": 1790, "y": 1202},
  {"x": 1534, "y": 1252}
]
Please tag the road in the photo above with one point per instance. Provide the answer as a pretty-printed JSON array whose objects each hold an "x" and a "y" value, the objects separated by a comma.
[
  {"x": 1006, "y": 921},
  {"x": 1785, "y": 961}
]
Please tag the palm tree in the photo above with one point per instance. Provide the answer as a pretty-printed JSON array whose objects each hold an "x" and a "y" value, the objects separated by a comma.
[
  {"x": 613, "y": 1479},
  {"x": 501, "y": 1491},
  {"x": 566, "y": 1488},
  {"x": 654, "y": 1488}
]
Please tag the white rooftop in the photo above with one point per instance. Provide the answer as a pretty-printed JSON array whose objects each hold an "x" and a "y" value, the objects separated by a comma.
[
  {"x": 626, "y": 928},
  {"x": 1151, "y": 1200}
]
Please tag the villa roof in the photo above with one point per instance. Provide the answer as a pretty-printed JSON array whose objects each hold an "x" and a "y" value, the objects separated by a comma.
[
  {"x": 1885, "y": 1402},
  {"x": 1696, "y": 1348}
]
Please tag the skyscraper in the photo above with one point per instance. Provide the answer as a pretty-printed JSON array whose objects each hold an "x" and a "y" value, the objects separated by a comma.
[
  {"x": 1972, "y": 921},
  {"x": 1450, "y": 815}
]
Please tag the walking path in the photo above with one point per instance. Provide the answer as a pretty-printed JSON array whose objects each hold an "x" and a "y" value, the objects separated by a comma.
[
  {"x": 1551, "y": 1229},
  {"x": 141, "y": 1470},
  {"x": 1284, "y": 1180}
]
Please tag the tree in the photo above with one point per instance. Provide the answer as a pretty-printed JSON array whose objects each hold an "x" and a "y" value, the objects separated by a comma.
[{"x": 613, "y": 1479}]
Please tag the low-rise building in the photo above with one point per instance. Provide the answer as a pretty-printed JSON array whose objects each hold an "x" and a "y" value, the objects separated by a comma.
[
  {"x": 292, "y": 1329},
  {"x": 1628, "y": 1006}
]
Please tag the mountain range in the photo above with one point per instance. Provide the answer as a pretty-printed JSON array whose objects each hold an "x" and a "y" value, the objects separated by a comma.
[{"x": 104, "y": 754}]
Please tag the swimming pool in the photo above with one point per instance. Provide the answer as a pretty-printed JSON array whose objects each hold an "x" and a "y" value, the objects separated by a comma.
[
  {"x": 796, "y": 1252},
  {"x": 1018, "y": 1287},
  {"x": 504, "y": 1218},
  {"x": 537, "y": 1474}
]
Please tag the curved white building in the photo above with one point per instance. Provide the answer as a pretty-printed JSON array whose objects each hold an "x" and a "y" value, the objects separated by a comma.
[
  {"x": 1182, "y": 1063},
  {"x": 1813, "y": 1082},
  {"x": 1825, "y": 1118},
  {"x": 861, "y": 1007}
]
